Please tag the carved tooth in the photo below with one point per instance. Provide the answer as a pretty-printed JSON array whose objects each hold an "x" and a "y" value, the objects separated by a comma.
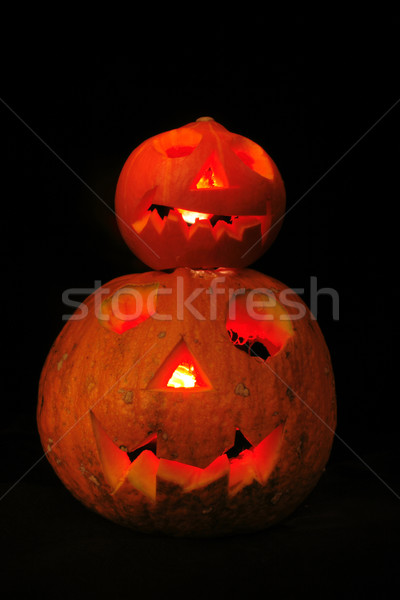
[
  {"x": 266, "y": 452},
  {"x": 143, "y": 472},
  {"x": 245, "y": 224},
  {"x": 201, "y": 224},
  {"x": 256, "y": 463},
  {"x": 178, "y": 473},
  {"x": 219, "y": 468},
  {"x": 242, "y": 472},
  {"x": 175, "y": 224},
  {"x": 157, "y": 222},
  {"x": 114, "y": 461},
  {"x": 140, "y": 224},
  {"x": 201, "y": 232},
  {"x": 221, "y": 228},
  {"x": 193, "y": 478}
]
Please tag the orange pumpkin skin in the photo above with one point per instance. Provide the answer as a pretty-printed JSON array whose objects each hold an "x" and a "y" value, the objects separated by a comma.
[
  {"x": 102, "y": 389},
  {"x": 199, "y": 168}
]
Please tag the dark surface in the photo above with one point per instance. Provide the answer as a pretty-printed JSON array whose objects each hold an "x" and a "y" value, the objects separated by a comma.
[
  {"x": 343, "y": 542},
  {"x": 69, "y": 123}
]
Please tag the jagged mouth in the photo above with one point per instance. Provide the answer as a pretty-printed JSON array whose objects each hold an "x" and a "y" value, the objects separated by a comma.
[
  {"x": 191, "y": 217},
  {"x": 240, "y": 465},
  {"x": 159, "y": 218}
]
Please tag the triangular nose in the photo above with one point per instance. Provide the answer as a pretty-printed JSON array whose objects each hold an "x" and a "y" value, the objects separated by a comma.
[
  {"x": 180, "y": 370},
  {"x": 211, "y": 175}
]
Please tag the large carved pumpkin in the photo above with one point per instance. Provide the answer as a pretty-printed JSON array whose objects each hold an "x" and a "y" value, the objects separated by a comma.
[
  {"x": 199, "y": 196},
  {"x": 192, "y": 403}
]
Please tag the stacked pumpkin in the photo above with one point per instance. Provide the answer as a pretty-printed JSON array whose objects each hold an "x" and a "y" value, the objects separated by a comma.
[{"x": 197, "y": 398}]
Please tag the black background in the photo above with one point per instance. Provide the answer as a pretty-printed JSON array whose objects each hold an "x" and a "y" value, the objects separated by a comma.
[{"x": 315, "y": 97}]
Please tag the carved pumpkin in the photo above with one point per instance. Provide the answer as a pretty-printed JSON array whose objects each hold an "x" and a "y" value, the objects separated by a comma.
[
  {"x": 191, "y": 403},
  {"x": 199, "y": 196}
]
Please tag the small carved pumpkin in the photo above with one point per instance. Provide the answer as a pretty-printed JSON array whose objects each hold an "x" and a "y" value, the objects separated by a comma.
[
  {"x": 192, "y": 403},
  {"x": 199, "y": 196}
]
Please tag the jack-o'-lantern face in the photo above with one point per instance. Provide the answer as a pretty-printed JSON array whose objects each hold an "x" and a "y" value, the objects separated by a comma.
[
  {"x": 199, "y": 196},
  {"x": 193, "y": 403}
]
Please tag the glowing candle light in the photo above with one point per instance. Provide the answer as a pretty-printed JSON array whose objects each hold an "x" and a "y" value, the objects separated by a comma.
[
  {"x": 190, "y": 217},
  {"x": 183, "y": 376}
]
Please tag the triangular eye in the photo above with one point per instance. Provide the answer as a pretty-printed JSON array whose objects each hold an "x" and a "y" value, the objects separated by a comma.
[
  {"x": 128, "y": 307},
  {"x": 177, "y": 143},
  {"x": 179, "y": 151},
  {"x": 211, "y": 175},
  {"x": 254, "y": 157},
  {"x": 258, "y": 324},
  {"x": 180, "y": 370},
  {"x": 246, "y": 158}
]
